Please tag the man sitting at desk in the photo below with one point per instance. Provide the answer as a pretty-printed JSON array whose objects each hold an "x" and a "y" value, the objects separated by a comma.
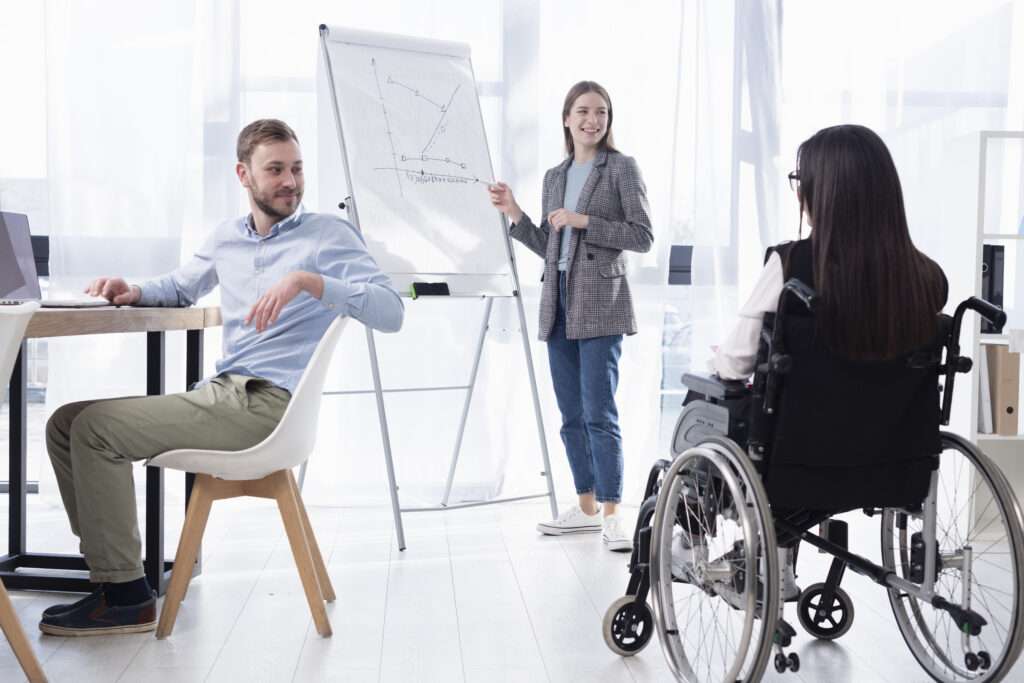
[{"x": 285, "y": 274}]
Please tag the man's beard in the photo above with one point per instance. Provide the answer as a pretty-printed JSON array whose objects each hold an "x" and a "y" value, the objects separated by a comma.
[{"x": 267, "y": 208}]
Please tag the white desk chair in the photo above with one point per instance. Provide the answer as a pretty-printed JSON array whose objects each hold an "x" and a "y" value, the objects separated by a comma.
[
  {"x": 13, "y": 321},
  {"x": 263, "y": 471}
]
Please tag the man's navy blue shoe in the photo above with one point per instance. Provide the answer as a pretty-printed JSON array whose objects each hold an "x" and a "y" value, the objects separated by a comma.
[
  {"x": 92, "y": 616},
  {"x": 54, "y": 610}
]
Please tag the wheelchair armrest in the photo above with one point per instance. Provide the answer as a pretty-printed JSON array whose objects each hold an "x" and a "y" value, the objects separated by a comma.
[{"x": 714, "y": 386}]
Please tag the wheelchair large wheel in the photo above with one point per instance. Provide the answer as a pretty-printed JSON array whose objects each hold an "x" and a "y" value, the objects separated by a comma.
[
  {"x": 980, "y": 543},
  {"x": 713, "y": 616}
]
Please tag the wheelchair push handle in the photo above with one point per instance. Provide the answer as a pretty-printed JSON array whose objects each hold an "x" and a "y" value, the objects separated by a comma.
[
  {"x": 986, "y": 310},
  {"x": 954, "y": 361}
]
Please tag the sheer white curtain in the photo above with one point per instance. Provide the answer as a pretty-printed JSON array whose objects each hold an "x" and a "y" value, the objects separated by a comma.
[
  {"x": 927, "y": 76},
  {"x": 123, "y": 172},
  {"x": 729, "y": 174},
  {"x": 759, "y": 77},
  {"x": 537, "y": 51},
  {"x": 436, "y": 345},
  {"x": 143, "y": 106},
  {"x": 711, "y": 98}
]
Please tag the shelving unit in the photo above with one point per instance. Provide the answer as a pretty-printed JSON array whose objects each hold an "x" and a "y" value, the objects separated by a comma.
[{"x": 1005, "y": 450}]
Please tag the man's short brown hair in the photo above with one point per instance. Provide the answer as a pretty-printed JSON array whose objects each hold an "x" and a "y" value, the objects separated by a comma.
[{"x": 260, "y": 132}]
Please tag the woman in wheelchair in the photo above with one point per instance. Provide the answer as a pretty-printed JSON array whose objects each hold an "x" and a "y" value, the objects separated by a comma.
[{"x": 846, "y": 343}]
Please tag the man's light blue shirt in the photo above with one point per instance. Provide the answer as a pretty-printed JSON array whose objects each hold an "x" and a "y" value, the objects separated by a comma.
[{"x": 246, "y": 265}]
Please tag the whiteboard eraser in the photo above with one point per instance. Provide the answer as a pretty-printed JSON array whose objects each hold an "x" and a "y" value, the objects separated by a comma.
[{"x": 429, "y": 289}]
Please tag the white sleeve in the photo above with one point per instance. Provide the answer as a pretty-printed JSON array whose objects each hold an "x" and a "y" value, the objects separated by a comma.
[{"x": 736, "y": 356}]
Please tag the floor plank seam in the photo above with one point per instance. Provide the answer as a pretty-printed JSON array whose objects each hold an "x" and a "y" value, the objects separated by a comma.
[
  {"x": 526, "y": 607},
  {"x": 455, "y": 601},
  {"x": 241, "y": 610},
  {"x": 124, "y": 672},
  {"x": 309, "y": 627},
  {"x": 598, "y": 613},
  {"x": 384, "y": 622}
]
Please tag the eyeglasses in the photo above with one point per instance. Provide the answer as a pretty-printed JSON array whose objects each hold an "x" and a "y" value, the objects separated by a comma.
[{"x": 794, "y": 180}]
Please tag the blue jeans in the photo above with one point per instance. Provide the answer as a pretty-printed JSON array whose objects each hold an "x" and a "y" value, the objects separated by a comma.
[{"x": 585, "y": 373}]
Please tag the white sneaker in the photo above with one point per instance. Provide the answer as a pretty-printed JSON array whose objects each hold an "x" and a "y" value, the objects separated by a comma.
[
  {"x": 572, "y": 521},
  {"x": 614, "y": 536},
  {"x": 686, "y": 557}
]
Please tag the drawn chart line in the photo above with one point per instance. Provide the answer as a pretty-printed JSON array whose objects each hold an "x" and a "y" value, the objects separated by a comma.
[
  {"x": 415, "y": 92},
  {"x": 387, "y": 125},
  {"x": 423, "y": 172},
  {"x": 444, "y": 113},
  {"x": 424, "y": 157}
]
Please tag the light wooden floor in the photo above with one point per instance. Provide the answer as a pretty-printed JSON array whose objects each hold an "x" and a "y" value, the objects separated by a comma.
[{"x": 478, "y": 596}]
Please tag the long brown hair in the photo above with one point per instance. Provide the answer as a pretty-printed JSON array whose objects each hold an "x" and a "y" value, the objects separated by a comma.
[
  {"x": 879, "y": 294},
  {"x": 582, "y": 88}
]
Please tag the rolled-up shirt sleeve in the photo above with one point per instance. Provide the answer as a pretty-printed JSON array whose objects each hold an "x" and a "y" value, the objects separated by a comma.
[
  {"x": 737, "y": 355},
  {"x": 354, "y": 285},
  {"x": 186, "y": 285}
]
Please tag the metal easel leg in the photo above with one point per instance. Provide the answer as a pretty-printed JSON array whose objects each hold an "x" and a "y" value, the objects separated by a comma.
[
  {"x": 536, "y": 405},
  {"x": 385, "y": 439},
  {"x": 469, "y": 398}
]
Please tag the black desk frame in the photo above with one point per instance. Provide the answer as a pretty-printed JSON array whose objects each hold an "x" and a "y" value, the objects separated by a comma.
[{"x": 17, "y": 565}]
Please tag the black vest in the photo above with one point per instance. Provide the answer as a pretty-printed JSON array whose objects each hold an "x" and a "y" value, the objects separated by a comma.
[{"x": 848, "y": 434}]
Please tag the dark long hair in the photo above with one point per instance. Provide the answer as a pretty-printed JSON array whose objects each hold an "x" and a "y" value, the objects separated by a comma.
[
  {"x": 879, "y": 294},
  {"x": 582, "y": 88}
]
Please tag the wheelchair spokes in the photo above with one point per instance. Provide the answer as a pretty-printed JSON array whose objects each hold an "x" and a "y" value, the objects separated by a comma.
[
  {"x": 975, "y": 563},
  {"x": 707, "y": 569}
]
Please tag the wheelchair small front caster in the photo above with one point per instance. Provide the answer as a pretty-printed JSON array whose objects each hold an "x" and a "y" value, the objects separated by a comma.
[
  {"x": 784, "y": 662},
  {"x": 628, "y": 626},
  {"x": 825, "y": 622},
  {"x": 982, "y": 660}
]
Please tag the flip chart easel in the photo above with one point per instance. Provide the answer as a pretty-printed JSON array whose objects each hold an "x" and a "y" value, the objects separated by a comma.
[{"x": 419, "y": 152}]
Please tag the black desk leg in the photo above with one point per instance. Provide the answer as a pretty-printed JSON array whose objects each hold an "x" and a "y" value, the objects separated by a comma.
[
  {"x": 193, "y": 373},
  {"x": 155, "y": 386},
  {"x": 18, "y": 456}
]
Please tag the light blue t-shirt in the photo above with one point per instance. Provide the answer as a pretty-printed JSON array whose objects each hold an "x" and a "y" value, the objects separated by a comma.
[{"x": 574, "y": 181}]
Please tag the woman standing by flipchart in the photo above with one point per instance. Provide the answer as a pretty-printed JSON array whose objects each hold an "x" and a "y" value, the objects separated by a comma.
[{"x": 594, "y": 208}]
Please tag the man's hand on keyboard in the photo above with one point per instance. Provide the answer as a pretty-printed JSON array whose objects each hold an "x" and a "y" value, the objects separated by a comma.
[{"x": 115, "y": 290}]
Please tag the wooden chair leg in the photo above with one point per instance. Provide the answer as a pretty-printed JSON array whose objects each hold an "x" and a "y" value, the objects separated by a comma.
[
  {"x": 314, "y": 548},
  {"x": 188, "y": 546},
  {"x": 292, "y": 518},
  {"x": 19, "y": 642}
]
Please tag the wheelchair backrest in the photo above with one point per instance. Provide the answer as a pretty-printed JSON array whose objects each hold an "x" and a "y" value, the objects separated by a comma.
[
  {"x": 843, "y": 433},
  {"x": 833, "y": 411}
]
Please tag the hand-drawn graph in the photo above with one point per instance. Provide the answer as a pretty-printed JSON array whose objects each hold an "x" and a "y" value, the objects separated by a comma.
[
  {"x": 416, "y": 159},
  {"x": 422, "y": 166}
]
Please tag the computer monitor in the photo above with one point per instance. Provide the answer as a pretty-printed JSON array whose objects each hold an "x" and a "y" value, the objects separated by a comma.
[{"x": 18, "y": 280}]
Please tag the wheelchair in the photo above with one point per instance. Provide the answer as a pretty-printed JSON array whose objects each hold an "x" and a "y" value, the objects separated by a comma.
[{"x": 706, "y": 541}]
